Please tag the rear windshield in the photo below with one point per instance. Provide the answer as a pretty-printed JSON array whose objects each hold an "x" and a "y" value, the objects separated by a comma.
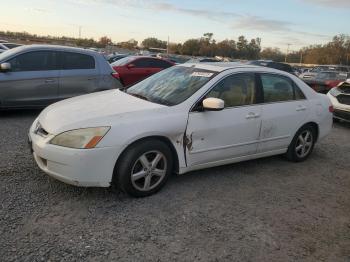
[{"x": 122, "y": 62}]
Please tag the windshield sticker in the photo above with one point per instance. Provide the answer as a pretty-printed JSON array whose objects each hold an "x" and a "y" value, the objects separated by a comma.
[{"x": 202, "y": 74}]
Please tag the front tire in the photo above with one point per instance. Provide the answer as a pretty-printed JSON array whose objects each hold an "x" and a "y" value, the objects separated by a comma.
[
  {"x": 144, "y": 168},
  {"x": 302, "y": 144}
]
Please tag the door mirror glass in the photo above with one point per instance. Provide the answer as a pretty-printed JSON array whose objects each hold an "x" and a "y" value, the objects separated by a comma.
[
  {"x": 5, "y": 67},
  {"x": 131, "y": 66},
  {"x": 213, "y": 104}
]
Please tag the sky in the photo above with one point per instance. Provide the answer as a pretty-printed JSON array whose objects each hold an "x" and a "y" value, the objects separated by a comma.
[{"x": 277, "y": 23}]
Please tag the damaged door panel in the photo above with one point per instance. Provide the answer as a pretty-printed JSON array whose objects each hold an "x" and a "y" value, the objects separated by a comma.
[{"x": 213, "y": 136}]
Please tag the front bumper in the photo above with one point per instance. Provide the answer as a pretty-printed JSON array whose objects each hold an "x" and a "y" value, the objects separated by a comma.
[{"x": 79, "y": 167}]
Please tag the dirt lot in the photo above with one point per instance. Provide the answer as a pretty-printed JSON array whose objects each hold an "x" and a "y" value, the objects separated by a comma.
[{"x": 261, "y": 210}]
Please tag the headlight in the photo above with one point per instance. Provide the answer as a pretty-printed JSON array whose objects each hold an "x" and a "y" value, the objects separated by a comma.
[
  {"x": 80, "y": 138},
  {"x": 334, "y": 91}
]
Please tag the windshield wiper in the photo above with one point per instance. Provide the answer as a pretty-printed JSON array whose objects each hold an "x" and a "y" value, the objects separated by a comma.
[{"x": 139, "y": 96}]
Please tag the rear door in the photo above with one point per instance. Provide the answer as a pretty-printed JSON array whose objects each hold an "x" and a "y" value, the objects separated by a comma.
[
  {"x": 79, "y": 74},
  {"x": 283, "y": 112},
  {"x": 32, "y": 80}
]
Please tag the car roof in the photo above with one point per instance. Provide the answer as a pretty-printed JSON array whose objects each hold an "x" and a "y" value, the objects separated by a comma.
[
  {"x": 145, "y": 56},
  {"x": 25, "y": 48},
  {"x": 220, "y": 66},
  {"x": 54, "y": 47}
]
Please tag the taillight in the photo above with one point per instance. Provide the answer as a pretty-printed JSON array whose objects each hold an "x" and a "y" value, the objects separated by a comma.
[
  {"x": 116, "y": 75},
  {"x": 332, "y": 83},
  {"x": 331, "y": 109}
]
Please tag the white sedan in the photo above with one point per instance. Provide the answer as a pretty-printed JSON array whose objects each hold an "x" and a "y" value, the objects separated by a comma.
[{"x": 185, "y": 118}]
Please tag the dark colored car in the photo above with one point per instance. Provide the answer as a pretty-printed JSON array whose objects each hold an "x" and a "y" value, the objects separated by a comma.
[
  {"x": 276, "y": 65},
  {"x": 133, "y": 69},
  {"x": 112, "y": 58},
  {"x": 324, "y": 81}
]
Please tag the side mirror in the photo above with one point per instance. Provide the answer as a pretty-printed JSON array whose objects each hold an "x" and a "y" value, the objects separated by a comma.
[
  {"x": 213, "y": 104},
  {"x": 5, "y": 67},
  {"x": 130, "y": 66}
]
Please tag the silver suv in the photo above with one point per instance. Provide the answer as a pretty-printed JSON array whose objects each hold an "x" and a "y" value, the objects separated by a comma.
[{"x": 38, "y": 75}]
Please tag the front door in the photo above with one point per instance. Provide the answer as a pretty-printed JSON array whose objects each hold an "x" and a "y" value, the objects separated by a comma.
[
  {"x": 214, "y": 136},
  {"x": 32, "y": 80}
]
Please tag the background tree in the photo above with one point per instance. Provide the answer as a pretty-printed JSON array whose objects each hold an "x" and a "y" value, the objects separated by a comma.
[
  {"x": 153, "y": 42},
  {"x": 104, "y": 41},
  {"x": 226, "y": 48},
  {"x": 191, "y": 47},
  {"x": 274, "y": 54},
  {"x": 131, "y": 44}
]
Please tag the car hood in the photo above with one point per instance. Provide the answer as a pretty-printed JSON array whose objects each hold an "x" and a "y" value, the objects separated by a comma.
[{"x": 91, "y": 110}]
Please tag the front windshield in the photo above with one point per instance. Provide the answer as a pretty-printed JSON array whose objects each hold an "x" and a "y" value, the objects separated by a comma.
[{"x": 171, "y": 86}]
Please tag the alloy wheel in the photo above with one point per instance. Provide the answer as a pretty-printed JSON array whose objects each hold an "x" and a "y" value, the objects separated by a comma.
[
  {"x": 149, "y": 170},
  {"x": 304, "y": 144}
]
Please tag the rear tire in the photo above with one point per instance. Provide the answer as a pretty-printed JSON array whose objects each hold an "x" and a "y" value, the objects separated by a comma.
[
  {"x": 144, "y": 168},
  {"x": 302, "y": 144}
]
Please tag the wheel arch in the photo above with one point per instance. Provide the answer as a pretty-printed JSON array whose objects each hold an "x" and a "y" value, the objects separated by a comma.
[
  {"x": 164, "y": 139},
  {"x": 314, "y": 125}
]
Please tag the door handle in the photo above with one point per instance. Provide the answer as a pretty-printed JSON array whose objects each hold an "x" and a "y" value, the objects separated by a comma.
[
  {"x": 49, "y": 80},
  {"x": 92, "y": 78},
  {"x": 252, "y": 115},
  {"x": 301, "y": 108}
]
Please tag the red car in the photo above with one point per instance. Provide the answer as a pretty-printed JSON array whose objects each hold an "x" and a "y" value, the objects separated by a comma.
[{"x": 132, "y": 69}]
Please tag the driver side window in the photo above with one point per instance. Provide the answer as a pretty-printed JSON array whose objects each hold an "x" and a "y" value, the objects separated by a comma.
[{"x": 236, "y": 90}]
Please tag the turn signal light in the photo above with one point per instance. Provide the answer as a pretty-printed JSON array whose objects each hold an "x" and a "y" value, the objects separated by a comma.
[
  {"x": 93, "y": 142},
  {"x": 331, "y": 109}
]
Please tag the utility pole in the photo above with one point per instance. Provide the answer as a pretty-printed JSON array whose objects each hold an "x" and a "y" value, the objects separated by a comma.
[
  {"x": 80, "y": 27},
  {"x": 167, "y": 48},
  {"x": 301, "y": 57},
  {"x": 285, "y": 59}
]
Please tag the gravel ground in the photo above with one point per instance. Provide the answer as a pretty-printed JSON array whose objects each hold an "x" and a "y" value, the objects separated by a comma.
[{"x": 262, "y": 210}]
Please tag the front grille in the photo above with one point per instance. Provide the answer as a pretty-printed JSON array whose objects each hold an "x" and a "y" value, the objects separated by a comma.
[{"x": 344, "y": 99}]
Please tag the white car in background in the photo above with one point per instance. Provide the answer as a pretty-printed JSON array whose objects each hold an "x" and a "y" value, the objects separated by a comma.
[
  {"x": 7, "y": 46},
  {"x": 185, "y": 118},
  {"x": 340, "y": 98}
]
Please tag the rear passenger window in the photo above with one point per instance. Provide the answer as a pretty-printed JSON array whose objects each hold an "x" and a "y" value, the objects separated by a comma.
[
  {"x": 277, "y": 88},
  {"x": 77, "y": 61},
  {"x": 235, "y": 90}
]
